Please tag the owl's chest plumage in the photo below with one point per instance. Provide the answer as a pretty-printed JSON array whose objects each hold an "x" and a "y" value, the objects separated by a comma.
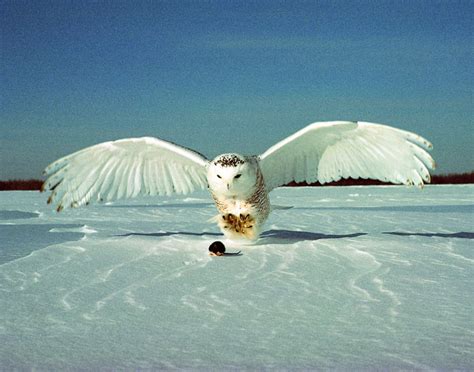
[
  {"x": 250, "y": 210},
  {"x": 255, "y": 203}
]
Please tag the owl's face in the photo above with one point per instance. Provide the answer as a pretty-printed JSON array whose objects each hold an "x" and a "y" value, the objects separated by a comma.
[{"x": 231, "y": 175}]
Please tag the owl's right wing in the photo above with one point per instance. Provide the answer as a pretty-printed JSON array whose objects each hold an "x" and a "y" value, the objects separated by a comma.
[
  {"x": 329, "y": 151},
  {"x": 124, "y": 169}
]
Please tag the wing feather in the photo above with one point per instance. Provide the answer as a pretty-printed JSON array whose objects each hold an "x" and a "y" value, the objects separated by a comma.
[
  {"x": 157, "y": 168},
  {"x": 423, "y": 170},
  {"x": 114, "y": 182},
  {"x": 147, "y": 175},
  {"x": 105, "y": 179},
  {"x": 167, "y": 180},
  {"x": 330, "y": 151},
  {"x": 124, "y": 169}
]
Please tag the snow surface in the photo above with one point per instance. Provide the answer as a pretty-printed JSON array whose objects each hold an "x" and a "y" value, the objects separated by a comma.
[{"x": 355, "y": 277}]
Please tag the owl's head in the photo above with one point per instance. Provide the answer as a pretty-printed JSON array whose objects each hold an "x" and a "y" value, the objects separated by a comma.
[{"x": 231, "y": 175}]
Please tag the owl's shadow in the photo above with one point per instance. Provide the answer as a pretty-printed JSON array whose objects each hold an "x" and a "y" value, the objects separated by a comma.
[
  {"x": 267, "y": 237},
  {"x": 293, "y": 236}
]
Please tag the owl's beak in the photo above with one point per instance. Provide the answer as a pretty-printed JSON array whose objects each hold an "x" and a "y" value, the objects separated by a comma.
[{"x": 228, "y": 186}]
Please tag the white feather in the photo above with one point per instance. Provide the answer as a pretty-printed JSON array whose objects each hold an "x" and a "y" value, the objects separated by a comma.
[
  {"x": 124, "y": 169},
  {"x": 329, "y": 151}
]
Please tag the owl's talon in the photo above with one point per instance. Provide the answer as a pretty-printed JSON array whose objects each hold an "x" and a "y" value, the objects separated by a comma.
[{"x": 241, "y": 224}]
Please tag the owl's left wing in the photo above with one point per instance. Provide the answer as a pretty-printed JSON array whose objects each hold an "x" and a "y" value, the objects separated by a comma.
[
  {"x": 124, "y": 169},
  {"x": 329, "y": 151}
]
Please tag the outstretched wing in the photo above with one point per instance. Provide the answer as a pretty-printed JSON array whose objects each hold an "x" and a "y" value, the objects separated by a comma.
[
  {"x": 124, "y": 169},
  {"x": 329, "y": 151}
]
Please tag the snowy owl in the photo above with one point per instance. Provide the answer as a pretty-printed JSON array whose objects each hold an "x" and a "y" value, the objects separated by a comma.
[{"x": 239, "y": 185}]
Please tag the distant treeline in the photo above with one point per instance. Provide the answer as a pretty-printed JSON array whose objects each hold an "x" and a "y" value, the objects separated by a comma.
[
  {"x": 20, "y": 185},
  {"x": 436, "y": 180}
]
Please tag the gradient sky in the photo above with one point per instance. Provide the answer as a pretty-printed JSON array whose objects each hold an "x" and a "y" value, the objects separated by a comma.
[{"x": 221, "y": 76}]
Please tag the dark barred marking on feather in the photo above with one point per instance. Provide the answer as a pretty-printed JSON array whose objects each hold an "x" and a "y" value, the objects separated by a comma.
[
  {"x": 229, "y": 161},
  {"x": 260, "y": 198}
]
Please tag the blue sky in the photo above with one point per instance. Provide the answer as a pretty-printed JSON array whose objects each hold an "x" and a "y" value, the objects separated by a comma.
[{"x": 220, "y": 76}]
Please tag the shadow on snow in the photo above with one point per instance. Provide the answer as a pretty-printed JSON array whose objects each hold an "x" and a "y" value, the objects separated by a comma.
[
  {"x": 292, "y": 236},
  {"x": 171, "y": 233},
  {"x": 267, "y": 237},
  {"x": 461, "y": 234}
]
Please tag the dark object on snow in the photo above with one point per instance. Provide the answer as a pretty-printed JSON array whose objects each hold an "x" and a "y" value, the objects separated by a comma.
[{"x": 217, "y": 248}]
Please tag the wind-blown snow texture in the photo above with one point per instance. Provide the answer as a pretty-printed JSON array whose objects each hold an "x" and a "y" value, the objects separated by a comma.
[{"x": 357, "y": 277}]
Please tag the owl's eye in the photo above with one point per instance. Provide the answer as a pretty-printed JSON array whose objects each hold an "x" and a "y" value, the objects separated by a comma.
[
  {"x": 219, "y": 176},
  {"x": 237, "y": 176}
]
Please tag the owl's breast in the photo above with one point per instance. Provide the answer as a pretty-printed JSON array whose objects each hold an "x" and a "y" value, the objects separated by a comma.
[
  {"x": 235, "y": 206},
  {"x": 256, "y": 203}
]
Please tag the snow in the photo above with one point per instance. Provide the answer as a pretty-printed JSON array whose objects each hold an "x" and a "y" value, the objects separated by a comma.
[{"x": 349, "y": 278}]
